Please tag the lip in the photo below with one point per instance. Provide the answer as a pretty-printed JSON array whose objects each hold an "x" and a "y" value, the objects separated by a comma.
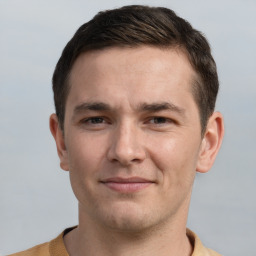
[{"x": 127, "y": 185}]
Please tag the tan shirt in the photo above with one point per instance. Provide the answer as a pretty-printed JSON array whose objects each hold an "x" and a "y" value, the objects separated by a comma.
[{"x": 56, "y": 247}]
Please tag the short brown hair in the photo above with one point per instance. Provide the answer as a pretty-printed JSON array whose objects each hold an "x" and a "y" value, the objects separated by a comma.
[{"x": 138, "y": 25}]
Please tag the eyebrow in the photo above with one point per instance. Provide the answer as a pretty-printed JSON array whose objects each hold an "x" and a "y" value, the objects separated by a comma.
[
  {"x": 155, "y": 107},
  {"x": 143, "y": 107},
  {"x": 95, "y": 106}
]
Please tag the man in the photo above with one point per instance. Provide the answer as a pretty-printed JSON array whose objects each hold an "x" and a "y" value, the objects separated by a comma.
[{"x": 134, "y": 92}]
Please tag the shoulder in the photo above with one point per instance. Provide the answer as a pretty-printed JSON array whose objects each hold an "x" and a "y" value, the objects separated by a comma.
[
  {"x": 41, "y": 249},
  {"x": 55, "y": 247},
  {"x": 199, "y": 249},
  {"x": 212, "y": 253}
]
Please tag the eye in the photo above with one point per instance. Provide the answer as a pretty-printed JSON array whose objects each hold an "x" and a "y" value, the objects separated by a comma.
[
  {"x": 94, "y": 120},
  {"x": 94, "y": 123},
  {"x": 160, "y": 120}
]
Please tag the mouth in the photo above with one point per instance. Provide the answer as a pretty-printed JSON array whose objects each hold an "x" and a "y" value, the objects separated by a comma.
[{"x": 126, "y": 185}]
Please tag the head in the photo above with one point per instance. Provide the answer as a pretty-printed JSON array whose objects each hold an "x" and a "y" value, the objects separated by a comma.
[
  {"x": 134, "y": 91},
  {"x": 133, "y": 26}
]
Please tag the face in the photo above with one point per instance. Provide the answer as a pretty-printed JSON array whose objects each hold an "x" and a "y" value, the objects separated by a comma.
[{"x": 132, "y": 140}]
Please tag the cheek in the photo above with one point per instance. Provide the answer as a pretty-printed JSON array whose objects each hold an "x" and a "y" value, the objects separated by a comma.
[
  {"x": 85, "y": 154},
  {"x": 176, "y": 159}
]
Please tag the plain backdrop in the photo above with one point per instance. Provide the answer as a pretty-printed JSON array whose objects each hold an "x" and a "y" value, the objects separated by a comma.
[{"x": 36, "y": 201}]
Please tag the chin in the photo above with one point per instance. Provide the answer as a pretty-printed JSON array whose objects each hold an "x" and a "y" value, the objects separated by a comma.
[
  {"x": 129, "y": 218},
  {"x": 129, "y": 224}
]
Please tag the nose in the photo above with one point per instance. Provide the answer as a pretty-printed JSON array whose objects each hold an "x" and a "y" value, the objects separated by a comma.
[{"x": 126, "y": 146}]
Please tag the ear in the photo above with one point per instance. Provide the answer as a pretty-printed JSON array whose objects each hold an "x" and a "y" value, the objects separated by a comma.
[
  {"x": 58, "y": 135},
  {"x": 211, "y": 142}
]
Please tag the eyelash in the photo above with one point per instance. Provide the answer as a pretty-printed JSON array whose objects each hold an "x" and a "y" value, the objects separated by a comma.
[
  {"x": 156, "y": 120},
  {"x": 91, "y": 120},
  {"x": 160, "y": 118}
]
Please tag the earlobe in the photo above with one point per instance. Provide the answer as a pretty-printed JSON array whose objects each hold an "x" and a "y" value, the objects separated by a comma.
[
  {"x": 211, "y": 142},
  {"x": 57, "y": 134}
]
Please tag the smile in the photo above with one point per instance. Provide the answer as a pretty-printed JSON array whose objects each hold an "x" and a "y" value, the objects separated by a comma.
[{"x": 127, "y": 185}]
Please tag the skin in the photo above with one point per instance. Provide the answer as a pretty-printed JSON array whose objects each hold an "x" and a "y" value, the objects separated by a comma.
[{"x": 132, "y": 146}]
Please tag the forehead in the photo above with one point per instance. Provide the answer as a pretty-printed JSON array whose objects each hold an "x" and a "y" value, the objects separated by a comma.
[
  {"x": 151, "y": 56},
  {"x": 147, "y": 72}
]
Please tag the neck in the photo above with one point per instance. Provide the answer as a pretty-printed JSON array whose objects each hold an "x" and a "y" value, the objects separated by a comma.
[{"x": 89, "y": 238}]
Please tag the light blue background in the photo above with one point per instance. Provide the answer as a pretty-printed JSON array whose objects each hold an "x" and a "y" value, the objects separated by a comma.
[{"x": 36, "y": 201}]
